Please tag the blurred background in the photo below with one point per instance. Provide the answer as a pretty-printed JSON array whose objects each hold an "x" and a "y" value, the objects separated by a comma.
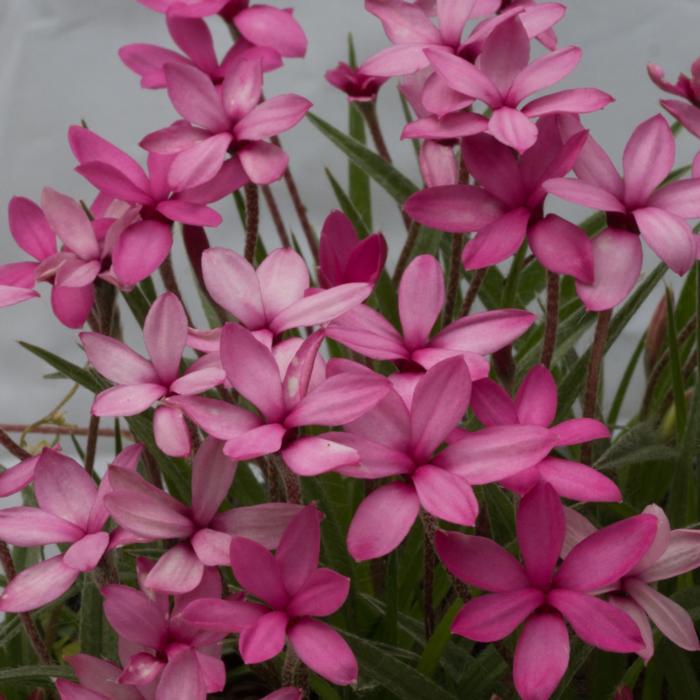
[{"x": 59, "y": 64}]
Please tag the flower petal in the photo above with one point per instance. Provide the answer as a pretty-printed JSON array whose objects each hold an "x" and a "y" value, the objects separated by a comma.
[
  {"x": 194, "y": 97},
  {"x": 30, "y": 229},
  {"x": 38, "y": 585},
  {"x": 421, "y": 297},
  {"x": 140, "y": 250},
  {"x": 445, "y": 495},
  {"x": 536, "y": 400},
  {"x": 70, "y": 223},
  {"x": 265, "y": 639},
  {"x": 177, "y": 571},
  {"x": 127, "y": 400},
  {"x": 258, "y": 572},
  {"x": 668, "y": 236}
]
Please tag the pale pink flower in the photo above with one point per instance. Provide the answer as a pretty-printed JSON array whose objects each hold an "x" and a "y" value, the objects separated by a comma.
[
  {"x": 293, "y": 591},
  {"x": 203, "y": 532},
  {"x": 541, "y": 596},
  {"x": 687, "y": 88},
  {"x": 16, "y": 477}
]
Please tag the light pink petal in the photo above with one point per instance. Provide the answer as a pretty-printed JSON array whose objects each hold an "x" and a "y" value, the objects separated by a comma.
[
  {"x": 491, "y": 404},
  {"x": 199, "y": 163},
  {"x": 298, "y": 551},
  {"x": 142, "y": 669},
  {"x": 541, "y": 656},
  {"x": 72, "y": 304},
  {"x": 177, "y": 571},
  {"x": 222, "y": 615},
  {"x": 171, "y": 432},
  {"x": 213, "y": 671},
  {"x": 505, "y": 55},
  {"x": 596, "y": 622},
  {"x": 30, "y": 229},
  {"x": 102, "y": 676},
  {"x": 134, "y": 616},
  {"x": 300, "y": 363},
  {"x": 14, "y": 295},
  {"x": 263, "y": 162},
  {"x": 198, "y": 381},
  {"x": 233, "y": 284},
  {"x": 608, "y": 554},
  {"x": 263, "y": 523},
  {"x": 211, "y": 547},
  {"x": 323, "y": 593},
  {"x": 688, "y": 115},
  {"x": 324, "y": 651},
  {"x": 584, "y": 193},
  {"x": 536, "y": 400},
  {"x": 258, "y": 572},
  {"x": 73, "y": 272},
  {"x": 70, "y": 223},
  {"x": 165, "y": 335},
  {"x": 404, "y": 23},
  {"x": 464, "y": 77},
  {"x": 283, "y": 279},
  {"x": 679, "y": 198},
  {"x": 181, "y": 679},
  {"x": 260, "y": 441},
  {"x": 212, "y": 476},
  {"x": 310, "y": 456},
  {"x": 445, "y": 495},
  {"x": 437, "y": 164},
  {"x": 421, "y": 297},
  {"x": 149, "y": 61},
  {"x": 127, "y": 400},
  {"x": 140, "y": 250},
  {"x": 173, "y": 139},
  {"x": 661, "y": 541},
  {"x": 15, "y": 478},
  {"x": 402, "y": 59},
  {"x": 513, "y": 128},
  {"x": 284, "y": 694},
  {"x": 668, "y": 236},
  {"x": 455, "y": 125},
  {"x": 194, "y": 38},
  {"x": 113, "y": 182},
  {"x": 578, "y": 430},
  {"x": 218, "y": 418},
  {"x": 544, "y": 72},
  {"x": 273, "y": 28},
  {"x": 578, "y": 527},
  {"x": 617, "y": 261},
  {"x": 628, "y": 606},
  {"x": 265, "y": 639},
  {"x": 681, "y": 555},
  {"x": 230, "y": 178},
  {"x": 31, "y": 527},
  {"x": 371, "y": 533},
  {"x": 452, "y": 16},
  {"x": 85, "y": 554},
  {"x": 578, "y": 482},
  {"x": 648, "y": 159},
  {"x": 190, "y": 213},
  {"x": 195, "y": 98},
  {"x": 573, "y": 101},
  {"x": 38, "y": 585},
  {"x": 272, "y": 117},
  {"x": 494, "y": 616},
  {"x": 387, "y": 423},
  {"x": 497, "y": 241},
  {"x": 116, "y": 361}
]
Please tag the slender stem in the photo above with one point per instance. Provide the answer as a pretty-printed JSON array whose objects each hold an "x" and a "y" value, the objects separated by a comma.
[
  {"x": 429, "y": 563},
  {"x": 294, "y": 673},
  {"x": 30, "y": 628},
  {"x": 60, "y": 430},
  {"x": 276, "y": 216},
  {"x": 550, "y": 329},
  {"x": 167, "y": 274},
  {"x": 406, "y": 251},
  {"x": 275, "y": 488},
  {"x": 455, "y": 274},
  {"x": 152, "y": 471},
  {"x": 291, "y": 481},
  {"x": 91, "y": 448},
  {"x": 593, "y": 378},
  {"x": 473, "y": 291},
  {"x": 299, "y": 207},
  {"x": 11, "y": 446},
  {"x": 252, "y": 220}
]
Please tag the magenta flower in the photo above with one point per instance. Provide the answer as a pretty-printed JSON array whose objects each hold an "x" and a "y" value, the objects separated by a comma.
[
  {"x": 503, "y": 87},
  {"x": 229, "y": 119},
  {"x": 276, "y": 297},
  {"x": 71, "y": 511},
  {"x": 140, "y": 382},
  {"x": 635, "y": 208},
  {"x": 541, "y": 596},
  {"x": 508, "y": 203},
  {"x": 344, "y": 258},
  {"x": 97, "y": 680},
  {"x": 687, "y": 88},
  {"x": 293, "y": 591},
  {"x": 204, "y": 533},
  {"x": 394, "y": 440},
  {"x": 355, "y": 83},
  {"x": 421, "y": 298},
  {"x": 286, "y": 404},
  {"x": 536, "y": 404},
  {"x": 161, "y": 653}
]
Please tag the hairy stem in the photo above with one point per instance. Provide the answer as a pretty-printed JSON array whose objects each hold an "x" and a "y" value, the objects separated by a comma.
[
  {"x": 252, "y": 220},
  {"x": 91, "y": 448},
  {"x": 292, "y": 485},
  {"x": 473, "y": 291},
  {"x": 406, "y": 251},
  {"x": 453, "y": 280},
  {"x": 276, "y": 216},
  {"x": 167, "y": 274},
  {"x": 550, "y": 329}
]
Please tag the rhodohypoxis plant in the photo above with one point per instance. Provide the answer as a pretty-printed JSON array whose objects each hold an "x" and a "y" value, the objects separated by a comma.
[{"x": 308, "y": 462}]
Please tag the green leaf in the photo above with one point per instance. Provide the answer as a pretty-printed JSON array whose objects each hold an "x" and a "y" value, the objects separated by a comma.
[
  {"x": 358, "y": 180},
  {"x": 624, "y": 384},
  {"x": 639, "y": 444},
  {"x": 348, "y": 207},
  {"x": 80, "y": 375},
  {"x": 385, "y": 175},
  {"x": 676, "y": 368},
  {"x": 679, "y": 671},
  {"x": 34, "y": 674},
  {"x": 430, "y": 658},
  {"x": 138, "y": 303},
  {"x": 91, "y": 618}
]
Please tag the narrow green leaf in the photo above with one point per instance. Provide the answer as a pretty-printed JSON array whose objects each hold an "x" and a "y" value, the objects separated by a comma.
[
  {"x": 138, "y": 303},
  {"x": 430, "y": 658},
  {"x": 90, "y": 618},
  {"x": 348, "y": 207},
  {"x": 679, "y": 671},
  {"x": 33, "y": 674},
  {"x": 625, "y": 382},
  {"x": 676, "y": 368},
  {"x": 358, "y": 180},
  {"x": 80, "y": 375}
]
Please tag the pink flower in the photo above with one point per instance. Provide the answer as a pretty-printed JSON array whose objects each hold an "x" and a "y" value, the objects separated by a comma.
[
  {"x": 191, "y": 8},
  {"x": 344, "y": 257},
  {"x": 355, "y": 83},
  {"x": 635, "y": 208},
  {"x": 536, "y": 404},
  {"x": 421, "y": 298},
  {"x": 160, "y": 652},
  {"x": 140, "y": 383},
  {"x": 540, "y": 596},
  {"x": 97, "y": 680},
  {"x": 71, "y": 511},
  {"x": 203, "y": 532},
  {"x": 276, "y": 297},
  {"x": 287, "y": 402},
  {"x": 15, "y": 478},
  {"x": 503, "y": 86},
  {"x": 293, "y": 591},
  {"x": 394, "y": 440},
  {"x": 686, "y": 87},
  {"x": 221, "y": 120},
  {"x": 508, "y": 203}
]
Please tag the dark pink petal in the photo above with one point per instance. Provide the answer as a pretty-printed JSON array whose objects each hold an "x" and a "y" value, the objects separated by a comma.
[
  {"x": 578, "y": 482},
  {"x": 113, "y": 182},
  {"x": 218, "y": 418},
  {"x": 494, "y": 616},
  {"x": 544, "y": 72},
  {"x": 189, "y": 213},
  {"x": 310, "y": 456},
  {"x": 222, "y": 615},
  {"x": 173, "y": 139},
  {"x": 439, "y": 404},
  {"x": 38, "y": 585},
  {"x": 536, "y": 400},
  {"x": 283, "y": 694},
  {"x": 464, "y": 77},
  {"x": 233, "y": 284},
  {"x": 194, "y": 38},
  {"x": 573, "y": 101},
  {"x": 165, "y": 335},
  {"x": 230, "y": 178},
  {"x": 70, "y": 223},
  {"x": 491, "y": 404},
  {"x": 212, "y": 476},
  {"x": 177, "y": 571},
  {"x": 562, "y": 247},
  {"x": 323, "y": 593},
  {"x": 116, "y": 361},
  {"x": 451, "y": 126},
  {"x": 513, "y": 128},
  {"x": 540, "y": 529},
  {"x": 504, "y": 65},
  {"x": 497, "y": 241},
  {"x": 127, "y": 400},
  {"x": 688, "y": 115},
  {"x": 242, "y": 87},
  {"x": 371, "y": 533},
  {"x": 273, "y": 28},
  {"x": 596, "y": 622},
  {"x": 669, "y": 236},
  {"x": 647, "y": 160},
  {"x": 453, "y": 208},
  {"x": 262, "y": 523},
  {"x": 181, "y": 679},
  {"x": 140, "y": 251},
  {"x": 258, "y": 572},
  {"x": 31, "y": 527},
  {"x": 212, "y": 669},
  {"x": 134, "y": 616},
  {"x": 421, "y": 296},
  {"x": 149, "y": 62},
  {"x": 445, "y": 495},
  {"x": 283, "y": 279},
  {"x": 578, "y": 430},
  {"x": 298, "y": 551},
  {"x": 195, "y": 98},
  {"x": 263, "y": 162},
  {"x": 199, "y": 163},
  {"x": 30, "y": 229},
  {"x": 541, "y": 656},
  {"x": 608, "y": 554},
  {"x": 681, "y": 555},
  {"x": 324, "y": 651},
  {"x": 72, "y": 304},
  {"x": 617, "y": 261},
  {"x": 584, "y": 193},
  {"x": 85, "y": 554},
  {"x": 265, "y": 639}
]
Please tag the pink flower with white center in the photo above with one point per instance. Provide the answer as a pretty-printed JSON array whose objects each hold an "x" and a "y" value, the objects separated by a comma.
[
  {"x": 421, "y": 298},
  {"x": 162, "y": 655},
  {"x": 541, "y": 596},
  {"x": 287, "y": 401},
  {"x": 687, "y": 88},
  {"x": 71, "y": 511},
  {"x": 536, "y": 404},
  {"x": 140, "y": 382},
  {"x": 345, "y": 258},
  {"x": 507, "y": 205},
  {"x": 636, "y": 206},
  {"x": 276, "y": 297},
  {"x": 97, "y": 680},
  {"x": 218, "y": 120},
  {"x": 355, "y": 83},
  {"x": 673, "y": 552},
  {"x": 273, "y": 34},
  {"x": 204, "y": 533},
  {"x": 394, "y": 440},
  {"x": 293, "y": 591}
]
